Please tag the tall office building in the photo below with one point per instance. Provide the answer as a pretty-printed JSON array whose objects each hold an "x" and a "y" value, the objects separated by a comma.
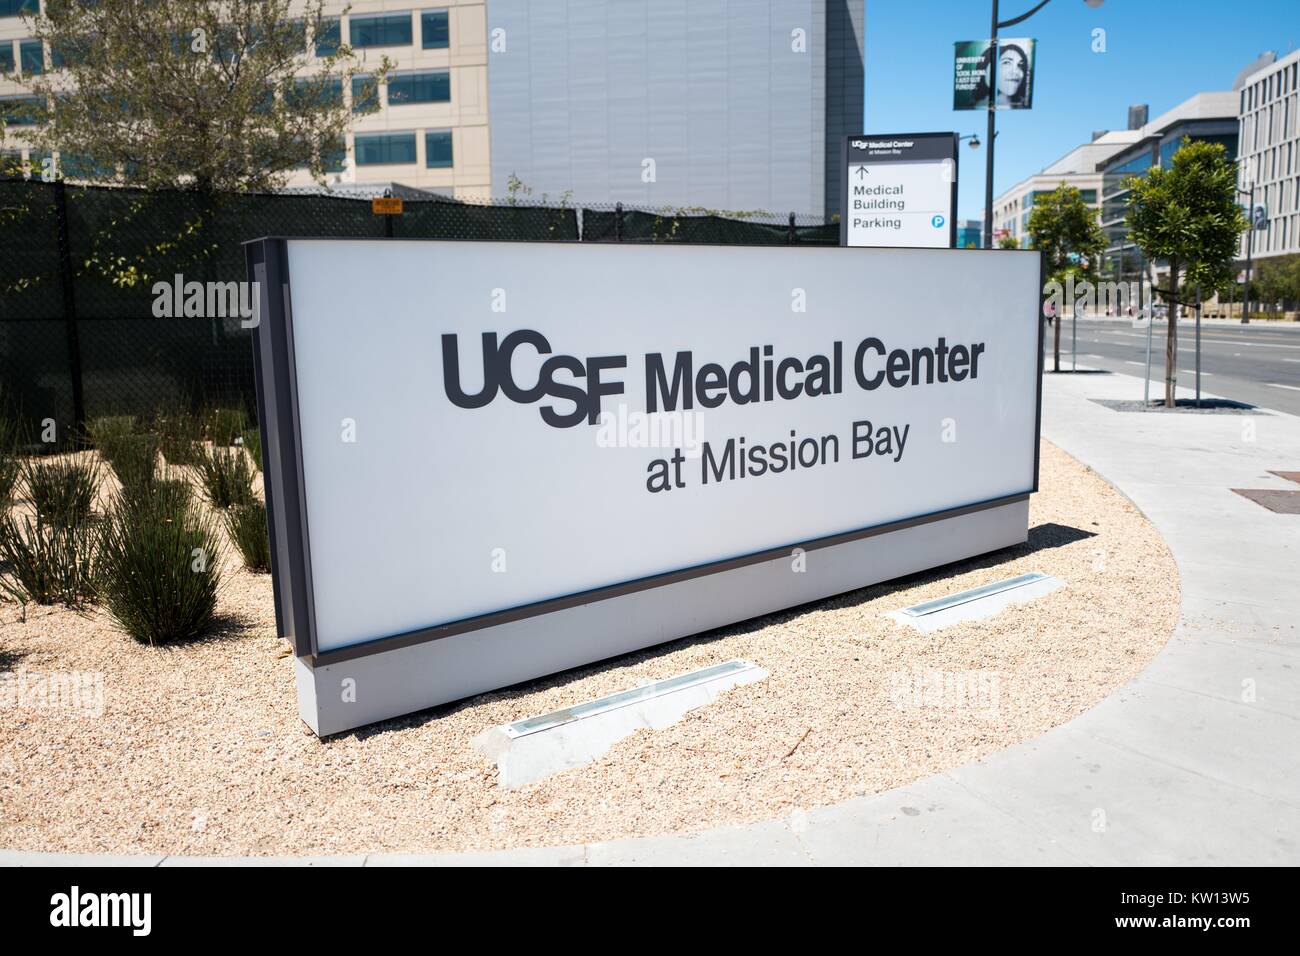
[
  {"x": 723, "y": 104},
  {"x": 1268, "y": 145},
  {"x": 431, "y": 128}
]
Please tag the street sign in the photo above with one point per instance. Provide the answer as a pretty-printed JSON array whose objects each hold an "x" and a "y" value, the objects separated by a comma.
[
  {"x": 462, "y": 497},
  {"x": 899, "y": 189}
]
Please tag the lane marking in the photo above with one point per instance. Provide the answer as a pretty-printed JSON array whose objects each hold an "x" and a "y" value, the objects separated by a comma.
[{"x": 1294, "y": 388}]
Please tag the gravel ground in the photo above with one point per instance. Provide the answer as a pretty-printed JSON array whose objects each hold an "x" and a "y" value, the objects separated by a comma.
[{"x": 199, "y": 749}]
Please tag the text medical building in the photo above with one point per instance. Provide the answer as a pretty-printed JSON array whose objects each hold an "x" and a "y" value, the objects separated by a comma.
[{"x": 736, "y": 105}]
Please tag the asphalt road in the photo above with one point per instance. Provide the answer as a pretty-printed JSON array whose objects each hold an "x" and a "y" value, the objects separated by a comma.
[{"x": 1256, "y": 363}]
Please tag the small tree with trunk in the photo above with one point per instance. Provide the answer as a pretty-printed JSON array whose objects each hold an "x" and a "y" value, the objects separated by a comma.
[
  {"x": 1065, "y": 229},
  {"x": 212, "y": 95},
  {"x": 1187, "y": 215}
]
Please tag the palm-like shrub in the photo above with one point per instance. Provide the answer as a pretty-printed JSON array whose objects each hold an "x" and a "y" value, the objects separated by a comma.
[
  {"x": 157, "y": 570},
  {"x": 252, "y": 441},
  {"x": 180, "y": 435},
  {"x": 135, "y": 460},
  {"x": 168, "y": 492},
  {"x": 246, "y": 523},
  {"x": 107, "y": 431},
  {"x": 225, "y": 425},
  {"x": 45, "y": 564},
  {"x": 10, "y": 463},
  {"x": 62, "y": 490},
  {"x": 227, "y": 477}
]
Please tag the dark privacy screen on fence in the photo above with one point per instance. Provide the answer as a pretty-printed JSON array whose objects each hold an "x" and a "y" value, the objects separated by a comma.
[{"x": 78, "y": 333}]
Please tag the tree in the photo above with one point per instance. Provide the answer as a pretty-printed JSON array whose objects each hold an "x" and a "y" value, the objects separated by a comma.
[
  {"x": 1277, "y": 279},
  {"x": 1065, "y": 229},
  {"x": 212, "y": 95},
  {"x": 1008, "y": 242},
  {"x": 1187, "y": 215}
]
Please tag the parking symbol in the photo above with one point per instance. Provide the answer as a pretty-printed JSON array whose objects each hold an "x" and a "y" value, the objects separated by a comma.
[{"x": 936, "y": 220}]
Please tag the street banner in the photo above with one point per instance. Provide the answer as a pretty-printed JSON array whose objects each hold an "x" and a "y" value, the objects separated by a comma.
[{"x": 974, "y": 78}]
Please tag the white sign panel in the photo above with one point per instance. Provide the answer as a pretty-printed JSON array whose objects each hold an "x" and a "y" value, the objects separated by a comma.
[
  {"x": 900, "y": 190},
  {"x": 483, "y": 426}
]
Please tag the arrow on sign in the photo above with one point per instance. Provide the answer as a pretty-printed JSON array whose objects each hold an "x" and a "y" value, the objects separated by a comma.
[{"x": 862, "y": 171}]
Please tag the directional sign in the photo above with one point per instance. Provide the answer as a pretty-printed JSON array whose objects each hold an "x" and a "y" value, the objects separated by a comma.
[{"x": 900, "y": 189}]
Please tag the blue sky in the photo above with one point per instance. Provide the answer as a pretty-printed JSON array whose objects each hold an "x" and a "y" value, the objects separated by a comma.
[{"x": 1157, "y": 51}]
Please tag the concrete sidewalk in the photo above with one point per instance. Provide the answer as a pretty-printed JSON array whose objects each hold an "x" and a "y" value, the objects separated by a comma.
[{"x": 1193, "y": 762}]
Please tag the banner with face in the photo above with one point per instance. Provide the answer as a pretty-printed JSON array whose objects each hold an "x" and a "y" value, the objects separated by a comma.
[{"x": 1009, "y": 80}]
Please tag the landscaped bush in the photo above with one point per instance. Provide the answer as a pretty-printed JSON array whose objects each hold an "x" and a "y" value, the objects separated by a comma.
[
  {"x": 180, "y": 435},
  {"x": 156, "y": 570},
  {"x": 227, "y": 477},
  {"x": 10, "y": 463},
  {"x": 135, "y": 460},
  {"x": 108, "y": 431},
  {"x": 43, "y": 564},
  {"x": 252, "y": 440},
  {"x": 225, "y": 425},
  {"x": 247, "y": 525},
  {"x": 63, "y": 490},
  {"x": 169, "y": 493}
]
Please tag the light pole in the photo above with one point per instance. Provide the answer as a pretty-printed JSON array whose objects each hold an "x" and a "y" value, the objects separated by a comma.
[
  {"x": 1250, "y": 248},
  {"x": 992, "y": 110}
]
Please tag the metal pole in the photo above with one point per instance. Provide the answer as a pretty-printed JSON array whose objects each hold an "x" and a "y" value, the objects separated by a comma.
[
  {"x": 1198, "y": 346},
  {"x": 1074, "y": 337},
  {"x": 64, "y": 240},
  {"x": 1146, "y": 309},
  {"x": 992, "y": 131},
  {"x": 1250, "y": 248}
]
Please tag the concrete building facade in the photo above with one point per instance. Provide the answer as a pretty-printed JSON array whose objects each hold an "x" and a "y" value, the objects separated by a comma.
[
  {"x": 1268, "y": 142},
  {"x": 720, "y": 104}
]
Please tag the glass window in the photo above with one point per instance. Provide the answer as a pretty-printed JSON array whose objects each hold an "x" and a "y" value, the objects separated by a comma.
[
  {"x": 330, "y": 36},
  {"x": 76, "y": 167},
  {"x": 11, "y": 8},
  {"x": 437, "y": 149},
  {"x": 389, "y": 29},
  {"x": 365, "y": 94},
  {"x": 326, "y": 93},
  {"x": 432, "y": 87},
  {"x": 21, "y": 110},
  {"x": 31, "y": 57},
  {"x": 335, "y": 158},
  {"x": 6, "y": 56},
  {"x": 435, "y": 32},
  {"x": 382, "y": 149},
  {"x": 77, "y": 50}
]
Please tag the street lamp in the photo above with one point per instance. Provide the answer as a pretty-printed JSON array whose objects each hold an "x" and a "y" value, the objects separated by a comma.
[
  {"x": 993, "y": 85},
  {"x": 1250, "y": 247},
  {"x": 974, "y": 140}
]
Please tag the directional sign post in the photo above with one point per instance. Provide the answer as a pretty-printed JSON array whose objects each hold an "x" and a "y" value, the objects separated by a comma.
[{"x": 900, "y": 189}]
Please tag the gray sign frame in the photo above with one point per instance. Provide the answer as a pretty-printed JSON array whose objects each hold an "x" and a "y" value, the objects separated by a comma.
[{"x": 409, "y": 672}]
